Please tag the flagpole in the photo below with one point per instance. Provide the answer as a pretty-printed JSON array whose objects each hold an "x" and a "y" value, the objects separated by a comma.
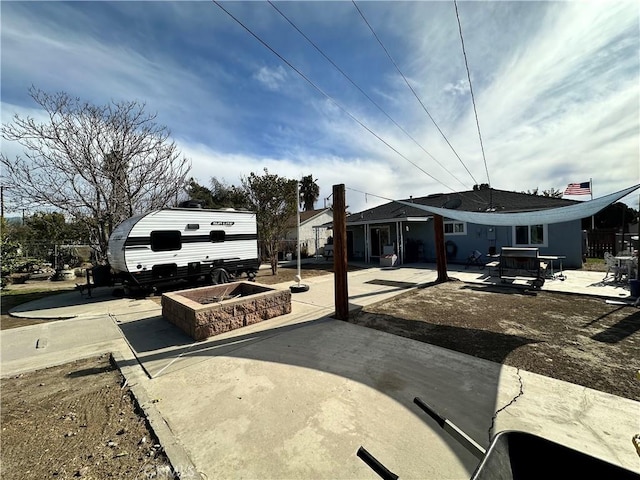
[{"x": 593, "y": 221}]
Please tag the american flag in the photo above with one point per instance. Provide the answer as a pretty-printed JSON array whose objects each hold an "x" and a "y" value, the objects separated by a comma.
[{"x": 583, "y": 188}]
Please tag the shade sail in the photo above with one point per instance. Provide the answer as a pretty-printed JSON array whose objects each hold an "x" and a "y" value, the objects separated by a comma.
[{"x": 534, "y": 217}]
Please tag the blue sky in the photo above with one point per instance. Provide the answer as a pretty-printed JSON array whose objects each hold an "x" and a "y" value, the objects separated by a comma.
[{"x": 556, "y": 84}]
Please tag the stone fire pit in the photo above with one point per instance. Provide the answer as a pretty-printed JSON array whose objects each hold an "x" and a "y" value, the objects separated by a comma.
[{"x": 207, "y": 311}]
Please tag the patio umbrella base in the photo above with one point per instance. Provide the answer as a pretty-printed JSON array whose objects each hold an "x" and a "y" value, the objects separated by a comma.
[{"x": 299, "y": 288}]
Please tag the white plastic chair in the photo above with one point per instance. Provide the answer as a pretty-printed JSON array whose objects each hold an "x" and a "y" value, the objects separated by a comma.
[{"x": 611, "y": 264}]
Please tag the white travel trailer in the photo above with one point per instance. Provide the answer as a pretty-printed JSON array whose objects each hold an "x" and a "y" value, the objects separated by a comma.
[{"x": 173, "y": 244}]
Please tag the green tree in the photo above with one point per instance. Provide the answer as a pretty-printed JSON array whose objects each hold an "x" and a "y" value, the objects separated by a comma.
[
  {"x": 615, "y": 216},
  {"x": 228, "y": 196},
  {"x": 98, "y": 164},
  {"x": 198, "y": 192},
  {"x": 43, "y": 231},
  {"x": 11, "y": 249},
  {"x": 273, "y": 198},
  {"x": 552, "y": 192},
  {"x": 220, "y": 195},
  {"x": 309, "y": 192}
]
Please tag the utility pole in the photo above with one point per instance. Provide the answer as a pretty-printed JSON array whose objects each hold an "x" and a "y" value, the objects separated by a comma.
[
  {"x": 441, "y": 253},
  {"x": 340, "y": 252}
]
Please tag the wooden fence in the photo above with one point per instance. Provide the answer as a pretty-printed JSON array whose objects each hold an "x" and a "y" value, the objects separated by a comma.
[{"x": 601, "y": 241}]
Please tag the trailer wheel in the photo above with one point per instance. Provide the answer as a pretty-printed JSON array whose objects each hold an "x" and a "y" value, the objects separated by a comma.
[{"x": 219, "y": 275}]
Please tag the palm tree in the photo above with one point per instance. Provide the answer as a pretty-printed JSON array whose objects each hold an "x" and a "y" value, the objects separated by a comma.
[{"x": 309, "y": 192}]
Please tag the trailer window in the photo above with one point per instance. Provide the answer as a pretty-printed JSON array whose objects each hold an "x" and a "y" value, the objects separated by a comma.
[
  {"x": 163, "y": 241},
  {"x": 216, "y": 236}
]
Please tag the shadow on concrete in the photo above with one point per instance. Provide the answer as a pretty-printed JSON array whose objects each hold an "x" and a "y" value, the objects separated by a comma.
[
  {"x": 168, "y": 342},
  {"x": 154, "y": 333},
  {"x": 617, "y": 285},
  {"x": 377, "y": 292},
  {"x": 66, "y": 299},
  {"x": 453, "y": 383},
  {"x": 392, "y": 283}
]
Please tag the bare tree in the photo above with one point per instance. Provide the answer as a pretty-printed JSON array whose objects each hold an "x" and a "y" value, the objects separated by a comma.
[{"x": 97, "y": 164}]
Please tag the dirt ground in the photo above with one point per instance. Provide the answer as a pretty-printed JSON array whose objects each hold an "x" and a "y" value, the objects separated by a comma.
[
  {"x": 76, "y": 421},
  {"x": 577, "y": 339}
]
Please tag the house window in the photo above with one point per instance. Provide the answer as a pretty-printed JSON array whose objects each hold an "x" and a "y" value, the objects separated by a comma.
[
  {"x": 455, "y": 228},
  {"x": 216, "y": 236},
  {"x": 530, "y": 236},
  {"x": 166, "y": 240}
]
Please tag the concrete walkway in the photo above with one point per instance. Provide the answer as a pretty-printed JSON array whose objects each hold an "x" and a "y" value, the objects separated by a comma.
[{"x": 295, "y": 396}]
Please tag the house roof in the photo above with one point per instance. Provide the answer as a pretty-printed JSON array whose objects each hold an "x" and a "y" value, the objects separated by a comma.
[
  {"x": 307, "y": 216},
  {"x": 471, "y": 201}
]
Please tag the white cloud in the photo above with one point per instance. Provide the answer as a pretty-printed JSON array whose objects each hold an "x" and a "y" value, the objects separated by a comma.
[
  {"x": 556, "y": 85},
  {"x": 356, "y": 173},
  {"x": 461, "y": 87},
  {"x": 55, "y": 59},
  {"x": 272, "y": 78}
]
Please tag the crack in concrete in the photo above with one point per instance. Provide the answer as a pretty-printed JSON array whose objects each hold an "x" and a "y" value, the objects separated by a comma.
[{"x": 511, "y": 402}]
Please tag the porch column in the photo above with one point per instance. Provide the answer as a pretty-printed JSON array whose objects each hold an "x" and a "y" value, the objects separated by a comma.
[
  {"x": 367, "y": 234},
  {"x": 398, "y": 245},
  {"x": 401, "y": 245}
]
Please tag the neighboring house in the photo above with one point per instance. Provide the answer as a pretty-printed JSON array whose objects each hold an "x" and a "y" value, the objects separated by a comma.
[
  {"x": 311, "y": 239},
  {"x": 410, "y": 230}
]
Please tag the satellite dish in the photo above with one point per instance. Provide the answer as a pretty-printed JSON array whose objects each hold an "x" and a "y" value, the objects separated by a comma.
[{"x": 452, "y": 203}]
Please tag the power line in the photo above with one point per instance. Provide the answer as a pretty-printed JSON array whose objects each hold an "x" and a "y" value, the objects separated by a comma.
[
  {"x": 266, "y": 45},
  {"x": 412, "y": 90},
  {"x": 362, "y": 91},
  {"x": 370, "y": 194},
  {"x": 473, "y": 100}
]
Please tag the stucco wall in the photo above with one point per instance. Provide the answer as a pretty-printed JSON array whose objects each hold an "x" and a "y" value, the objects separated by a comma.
[
  {"x": 563, "y": 239},
  {"x": 308, "y": 233},
  {"x": 358, "y": 242}
]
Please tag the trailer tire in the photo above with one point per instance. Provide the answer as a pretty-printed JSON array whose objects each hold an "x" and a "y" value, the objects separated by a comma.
[{"x": 218, "y": 276}]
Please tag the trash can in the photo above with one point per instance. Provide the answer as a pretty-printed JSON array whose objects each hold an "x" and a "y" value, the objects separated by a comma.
[{"x": 634, "y": 286}]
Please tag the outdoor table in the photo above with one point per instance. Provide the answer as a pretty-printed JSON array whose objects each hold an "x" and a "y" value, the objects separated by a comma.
[
  {"x": 621, "y": 262},
  {"x": 555, "y": 258}
]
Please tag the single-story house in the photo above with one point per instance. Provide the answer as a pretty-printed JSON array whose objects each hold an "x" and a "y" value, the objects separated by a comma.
[
  {"x": 409, "y": 232},
  {"x": 312, "y": 239}
]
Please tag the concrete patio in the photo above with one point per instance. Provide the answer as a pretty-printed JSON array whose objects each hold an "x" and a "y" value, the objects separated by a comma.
[{"x": 297, "y": 395}]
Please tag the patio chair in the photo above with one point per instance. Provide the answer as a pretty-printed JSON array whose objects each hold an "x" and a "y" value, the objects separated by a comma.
[
  {"x": 612, "y": 267},
  {"x": 475, "y": 259}
]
